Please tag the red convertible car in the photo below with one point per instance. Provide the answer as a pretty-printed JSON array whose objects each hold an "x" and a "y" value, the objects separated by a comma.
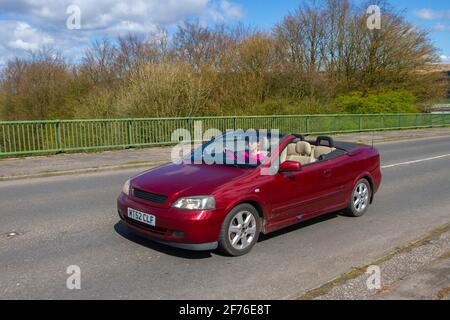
[{"x": 202, "y": 205}]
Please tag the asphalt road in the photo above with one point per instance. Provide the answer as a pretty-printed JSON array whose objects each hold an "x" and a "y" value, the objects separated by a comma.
[{"x": 72, "y": 220}]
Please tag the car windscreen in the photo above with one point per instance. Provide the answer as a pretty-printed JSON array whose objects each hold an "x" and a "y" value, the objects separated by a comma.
[{"x": 242, "y": 149}]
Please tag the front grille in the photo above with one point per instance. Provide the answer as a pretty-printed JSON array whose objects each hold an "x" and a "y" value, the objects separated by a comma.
[{"x": 148, "y": 196}]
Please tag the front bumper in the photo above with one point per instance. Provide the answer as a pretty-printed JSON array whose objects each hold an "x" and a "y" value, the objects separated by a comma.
[
  {"x": 186, "y": 246},
  {"x": 191, "y": 230}
]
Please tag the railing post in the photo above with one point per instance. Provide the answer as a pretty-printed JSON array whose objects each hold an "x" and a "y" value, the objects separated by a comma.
[
  {"x": 188, "y": 127},
  {"x": 130, "y": 133},
  {"x": 360, "y": 123},
  {"x": 307, "y": 125},
  {"x": 58, "y": 137}
]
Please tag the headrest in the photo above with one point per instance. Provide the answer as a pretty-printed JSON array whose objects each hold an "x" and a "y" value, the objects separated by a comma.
[
  {"x": 303, "y": 148},
  {"x": 291, "y": 149}
]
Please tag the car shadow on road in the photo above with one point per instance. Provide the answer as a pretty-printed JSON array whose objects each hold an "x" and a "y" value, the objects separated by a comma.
[
  {"x": 123, "y": 231},
  {"x": 300, "y": 225}
]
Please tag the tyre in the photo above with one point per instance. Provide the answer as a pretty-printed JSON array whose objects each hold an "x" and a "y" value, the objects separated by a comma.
[
  {"x": 360, "y": 200},
  {"x": 240, "y": 230}
]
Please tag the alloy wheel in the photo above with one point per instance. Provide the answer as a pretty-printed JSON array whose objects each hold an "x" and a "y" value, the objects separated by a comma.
[
  {"x": 242, "y": 230},
  {"x": 361, "y": 197}
]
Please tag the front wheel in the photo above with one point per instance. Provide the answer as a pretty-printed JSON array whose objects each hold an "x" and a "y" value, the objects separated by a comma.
[
  {"x": 240, "y": 230},
  {"x": 360, "y": 199}
]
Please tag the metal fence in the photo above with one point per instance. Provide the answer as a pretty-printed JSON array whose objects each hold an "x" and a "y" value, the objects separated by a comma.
[{"x": 40, "y": 137}]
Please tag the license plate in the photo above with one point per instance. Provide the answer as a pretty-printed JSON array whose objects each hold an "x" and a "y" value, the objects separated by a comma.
[{"x": 142, "y": 217}]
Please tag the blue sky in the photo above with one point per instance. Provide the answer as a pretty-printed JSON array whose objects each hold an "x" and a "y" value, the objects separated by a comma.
[{"x": 30, "y": 24}]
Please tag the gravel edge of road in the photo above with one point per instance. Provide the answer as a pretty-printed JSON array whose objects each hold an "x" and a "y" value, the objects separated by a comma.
[{"x": 344, "y": 279}]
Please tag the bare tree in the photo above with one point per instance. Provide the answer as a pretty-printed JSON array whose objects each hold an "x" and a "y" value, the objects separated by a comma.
[{"x": 99, "y": 62}]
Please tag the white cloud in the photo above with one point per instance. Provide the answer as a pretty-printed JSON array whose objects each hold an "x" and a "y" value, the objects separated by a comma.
[
  {"x": 429, "y": 14},
  {"x": 441, "y": 27},
  {"x": 445, "y": 59},
  {"x": 18, "y": 37},
  {"x": 22, "y": 36},
  {"x": 43, "y": 22},
  {"x": 104, "y": 14},
  {"x": 229, "y": 10}
]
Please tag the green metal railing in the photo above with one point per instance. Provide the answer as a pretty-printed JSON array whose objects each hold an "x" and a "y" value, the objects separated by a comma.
[{"x": 40, "y": 137}]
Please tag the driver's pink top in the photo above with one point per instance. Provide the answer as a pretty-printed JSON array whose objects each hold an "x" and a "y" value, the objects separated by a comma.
[{"x": 259, "y": 156}]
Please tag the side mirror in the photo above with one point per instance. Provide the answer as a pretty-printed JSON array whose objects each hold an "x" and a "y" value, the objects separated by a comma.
[{"x": 290, "y": 166}]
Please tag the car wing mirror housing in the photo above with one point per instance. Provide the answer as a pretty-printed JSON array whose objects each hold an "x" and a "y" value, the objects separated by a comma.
[{"x": 290, "y": 166}]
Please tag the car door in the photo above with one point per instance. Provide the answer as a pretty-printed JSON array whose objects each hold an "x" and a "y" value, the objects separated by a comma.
[
  {"x": 334, "y": 182},
  {"x": 296, "y": 194},
  {"x": 319, "y": 187}
]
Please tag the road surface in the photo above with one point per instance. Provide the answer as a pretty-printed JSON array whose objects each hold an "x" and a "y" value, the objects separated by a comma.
[{"x": 72, "y": 220}]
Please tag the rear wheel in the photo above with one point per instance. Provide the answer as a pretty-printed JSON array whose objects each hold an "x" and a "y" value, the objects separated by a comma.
[
  {"x": 360, "y": 200},
  {"x": 240, "y": 230}
]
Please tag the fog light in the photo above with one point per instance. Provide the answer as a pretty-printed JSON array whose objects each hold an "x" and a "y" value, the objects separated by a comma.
[{"x": 178, "y": 234}]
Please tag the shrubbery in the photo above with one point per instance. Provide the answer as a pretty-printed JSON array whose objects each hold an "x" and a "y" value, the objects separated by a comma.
[
  {"x": 310, "y": 62},
  {"x": 400, "y": 101}
]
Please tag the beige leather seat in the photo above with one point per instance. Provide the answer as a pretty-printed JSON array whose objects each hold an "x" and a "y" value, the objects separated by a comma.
[
  {"x": 321, "y": 150},
  {"x": 299, "y": 152},
  {"x": 304, "y": 153},
  {"x": 289, "y": 151},
  {"x": 312, "y": 158}
]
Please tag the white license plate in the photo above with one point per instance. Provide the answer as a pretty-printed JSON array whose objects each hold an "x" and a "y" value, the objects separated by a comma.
[{"x": 142, "y": 217}]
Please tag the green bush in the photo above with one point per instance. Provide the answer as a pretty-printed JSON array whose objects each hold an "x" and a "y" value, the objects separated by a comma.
[
  {"x": 384, "y": 102},
  {"x": 289, "y": 107}
]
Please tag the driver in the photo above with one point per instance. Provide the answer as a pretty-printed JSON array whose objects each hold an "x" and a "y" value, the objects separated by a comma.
[{"x": 256, "y": 151}]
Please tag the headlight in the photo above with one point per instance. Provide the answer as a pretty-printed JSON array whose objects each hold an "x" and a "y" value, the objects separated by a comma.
[
  {"x": 195, "y": 203},
  {"x": 126, "y": 187}
]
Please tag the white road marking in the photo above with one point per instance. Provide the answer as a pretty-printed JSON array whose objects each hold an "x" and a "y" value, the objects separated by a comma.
[{"x": 415, "y": 161}]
